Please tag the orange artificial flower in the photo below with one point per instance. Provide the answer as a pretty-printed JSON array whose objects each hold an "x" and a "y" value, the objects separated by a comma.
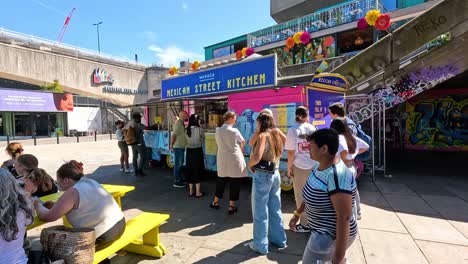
[{"x": 290, "y": 43}]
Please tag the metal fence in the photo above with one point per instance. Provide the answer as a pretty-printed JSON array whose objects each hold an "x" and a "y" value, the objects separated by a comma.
[
  {"x": 49, "y": 45},
  {"x": 325, "y": 18},
  {"x": 58, "y": 139}
]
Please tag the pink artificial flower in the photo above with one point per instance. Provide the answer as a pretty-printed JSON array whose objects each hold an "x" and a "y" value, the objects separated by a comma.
[
  {"x": 362, "y": 23},
  {"x": 249, "y": 51},
  {"x": 305, "y": 37}
]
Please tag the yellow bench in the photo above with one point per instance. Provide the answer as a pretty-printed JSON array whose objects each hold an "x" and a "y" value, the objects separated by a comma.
[
  {"x": 146, "y": 225},
  {"x": 117, "y": 191}
]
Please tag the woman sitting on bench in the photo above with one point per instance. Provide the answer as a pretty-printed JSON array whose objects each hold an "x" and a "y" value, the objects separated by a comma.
[{"x": 86, "y": 204}]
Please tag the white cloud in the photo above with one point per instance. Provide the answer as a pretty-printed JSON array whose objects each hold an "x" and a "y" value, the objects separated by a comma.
[
  {"x": 184, "y": 6},
  {"x": 148, "y": 35},
  {"x": 171, "y": 56}
]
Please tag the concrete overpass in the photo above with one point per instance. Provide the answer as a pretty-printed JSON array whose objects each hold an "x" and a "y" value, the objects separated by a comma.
[{"x": 34, "y": 60}]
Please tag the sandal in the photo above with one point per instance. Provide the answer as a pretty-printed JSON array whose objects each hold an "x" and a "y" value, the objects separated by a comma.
[
  {"x": 201, "y": 195},
  {"x": 214, "y": 205},
  {"x": 191, "y": 194},
  {"x": 232, "y": 209}
]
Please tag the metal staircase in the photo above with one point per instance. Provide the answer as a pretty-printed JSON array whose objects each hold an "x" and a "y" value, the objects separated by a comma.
[{"x": 401, "y": 64}]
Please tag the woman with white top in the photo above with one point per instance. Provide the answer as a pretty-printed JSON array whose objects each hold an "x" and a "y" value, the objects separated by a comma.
[
  {"x": 349, "y": 147},
  {"x": 86, "y": 204},
  {"x": 194, "y": 161},
  {"x": 16, "y": 215}
]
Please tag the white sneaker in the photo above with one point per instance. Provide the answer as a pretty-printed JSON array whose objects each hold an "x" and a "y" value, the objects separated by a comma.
[
  {"x": 301, "y": 229},
  {"x": 121, "y": 169},
  {"x": 129, "y": 171}
]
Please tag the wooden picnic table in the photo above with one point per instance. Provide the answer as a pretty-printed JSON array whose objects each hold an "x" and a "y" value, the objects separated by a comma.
[{"x": 117, "y": 191}]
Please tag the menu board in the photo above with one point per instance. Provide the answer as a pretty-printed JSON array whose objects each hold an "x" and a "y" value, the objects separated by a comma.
[
  {"x": 285, "y": 115},
  {"x": 210, "y": 144}
]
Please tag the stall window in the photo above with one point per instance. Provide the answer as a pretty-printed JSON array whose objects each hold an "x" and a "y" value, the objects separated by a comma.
[{"x": 353, "y": 41}]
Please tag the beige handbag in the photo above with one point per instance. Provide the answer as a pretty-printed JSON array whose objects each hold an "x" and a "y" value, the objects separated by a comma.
[{"x": 73, "y": 245}]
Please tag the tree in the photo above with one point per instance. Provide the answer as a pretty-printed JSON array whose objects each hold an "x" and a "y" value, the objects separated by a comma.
[{"x": 52, "y": 87}]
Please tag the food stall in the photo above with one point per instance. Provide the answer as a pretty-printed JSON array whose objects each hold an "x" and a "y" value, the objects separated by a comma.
[{"x": 246, "y": 87}]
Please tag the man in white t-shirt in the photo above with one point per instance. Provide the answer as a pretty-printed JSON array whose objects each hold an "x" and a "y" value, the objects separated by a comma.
[{"x": 300, "y": 164}]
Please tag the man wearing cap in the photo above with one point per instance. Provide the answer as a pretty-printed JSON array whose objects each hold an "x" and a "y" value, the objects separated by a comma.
[{"x": 300, "y": 164}]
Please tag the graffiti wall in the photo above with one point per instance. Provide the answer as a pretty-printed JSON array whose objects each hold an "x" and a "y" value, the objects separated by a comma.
[
  {"x": 438, "y": 120},
  {"x": 400, "y": 89}
]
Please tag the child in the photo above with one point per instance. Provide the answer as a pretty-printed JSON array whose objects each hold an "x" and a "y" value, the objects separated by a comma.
[{"x": 124, "y": 167}]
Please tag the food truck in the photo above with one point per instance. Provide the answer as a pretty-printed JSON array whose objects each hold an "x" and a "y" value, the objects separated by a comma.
[{"x": 245, "y": 87}]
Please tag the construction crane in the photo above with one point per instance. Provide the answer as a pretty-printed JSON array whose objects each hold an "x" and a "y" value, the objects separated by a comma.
[{"x": 65, "y": 25}]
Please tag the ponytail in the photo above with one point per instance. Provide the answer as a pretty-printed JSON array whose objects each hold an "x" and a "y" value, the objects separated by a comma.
[{"x": 72, "y": 170}]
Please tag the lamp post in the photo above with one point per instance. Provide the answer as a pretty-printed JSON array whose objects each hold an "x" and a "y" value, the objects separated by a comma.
[{"x": 97, "y": 29}]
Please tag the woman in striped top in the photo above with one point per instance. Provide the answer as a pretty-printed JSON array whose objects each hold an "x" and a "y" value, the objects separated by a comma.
[{"x": 328, "y": 202}]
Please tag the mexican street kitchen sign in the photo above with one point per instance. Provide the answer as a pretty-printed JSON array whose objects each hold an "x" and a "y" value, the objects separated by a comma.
[{"x": 249, "y": 74}]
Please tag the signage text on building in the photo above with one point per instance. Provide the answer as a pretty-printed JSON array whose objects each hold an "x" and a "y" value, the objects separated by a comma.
[{"x": 245, "y": 75}]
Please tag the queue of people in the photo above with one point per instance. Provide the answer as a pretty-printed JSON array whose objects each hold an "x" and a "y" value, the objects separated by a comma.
[{"x": 321, "y": 163}]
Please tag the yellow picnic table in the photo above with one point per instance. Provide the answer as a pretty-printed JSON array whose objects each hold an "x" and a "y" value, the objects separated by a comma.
[{"x": 117, "y": 191}]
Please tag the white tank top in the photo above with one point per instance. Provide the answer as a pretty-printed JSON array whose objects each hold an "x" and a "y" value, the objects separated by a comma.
[{"x": 97, "y": 208}]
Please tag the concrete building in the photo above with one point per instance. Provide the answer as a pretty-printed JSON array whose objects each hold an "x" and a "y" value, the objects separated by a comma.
[{"x": 102, "y": 86}]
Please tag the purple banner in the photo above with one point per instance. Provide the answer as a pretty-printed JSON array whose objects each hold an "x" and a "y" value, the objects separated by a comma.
[
  {"x": 27, "y": 101},
  {"x": 318, "y": 101}
]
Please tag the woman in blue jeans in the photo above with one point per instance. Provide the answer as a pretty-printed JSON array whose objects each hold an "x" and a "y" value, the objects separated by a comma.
[{"x": 266, "y": 199}]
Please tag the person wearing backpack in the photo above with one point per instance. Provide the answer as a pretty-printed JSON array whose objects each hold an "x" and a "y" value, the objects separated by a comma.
[
  {"x": 133, "y": 133},
  {"x": 337, "y": 110}
]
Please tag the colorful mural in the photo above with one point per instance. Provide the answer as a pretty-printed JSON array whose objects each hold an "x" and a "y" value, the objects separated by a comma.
[
  {"x": 438, "y": 120},
  {"x": 317, "y": 49}
]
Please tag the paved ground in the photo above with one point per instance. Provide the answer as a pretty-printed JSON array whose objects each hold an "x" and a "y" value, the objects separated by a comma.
[{"x": 406, "y": 219}]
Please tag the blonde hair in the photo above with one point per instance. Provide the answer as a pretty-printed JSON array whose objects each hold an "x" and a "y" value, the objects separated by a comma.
[
  {"x": 228, "y": 115},
  {"x": 13, "y": 200},
  {"x": 14, "y": 149}
]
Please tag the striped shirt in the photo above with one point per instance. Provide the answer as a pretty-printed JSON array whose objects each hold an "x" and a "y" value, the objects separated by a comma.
[{"x": 318, "y": 205}]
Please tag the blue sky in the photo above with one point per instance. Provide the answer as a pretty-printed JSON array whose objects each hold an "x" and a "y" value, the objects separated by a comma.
[{"x": 158, "y": 31}]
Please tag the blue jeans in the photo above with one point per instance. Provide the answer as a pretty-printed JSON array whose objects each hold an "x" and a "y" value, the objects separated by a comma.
[
  {"x": 266, "y": 210},
  {"x": 321, "y": 247},
  {"x": 179, "y": 154}
]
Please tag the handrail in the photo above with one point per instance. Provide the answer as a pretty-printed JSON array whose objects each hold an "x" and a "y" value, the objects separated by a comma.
[
  {"x": 31, "y": 39},
  {"x": 325, "y": 18}
]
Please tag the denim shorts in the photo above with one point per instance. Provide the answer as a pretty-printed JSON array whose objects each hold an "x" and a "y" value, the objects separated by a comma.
[{"x": 321, "y": 247}]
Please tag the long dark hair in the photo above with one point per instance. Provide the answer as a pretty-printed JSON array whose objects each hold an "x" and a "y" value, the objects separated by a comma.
[
  {"x": 267, "y": 125},
  {"x": 194, "y": 120},
  {"x": 341, "y": 128}
]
